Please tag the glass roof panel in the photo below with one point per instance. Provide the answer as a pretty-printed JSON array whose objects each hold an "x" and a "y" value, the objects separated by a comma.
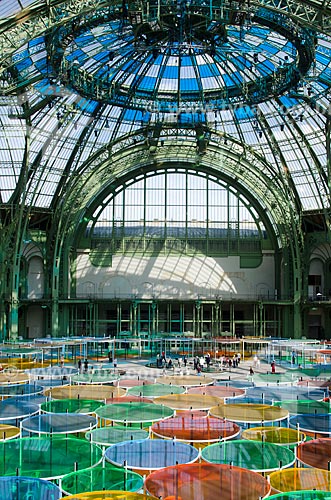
[{"x": 10, "y": 7}]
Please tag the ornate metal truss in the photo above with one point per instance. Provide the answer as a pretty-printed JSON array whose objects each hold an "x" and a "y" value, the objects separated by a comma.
[{"x": 17, "y": 30}]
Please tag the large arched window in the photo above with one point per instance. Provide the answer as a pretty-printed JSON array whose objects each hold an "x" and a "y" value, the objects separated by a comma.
[{"x": 178, "y": 211}]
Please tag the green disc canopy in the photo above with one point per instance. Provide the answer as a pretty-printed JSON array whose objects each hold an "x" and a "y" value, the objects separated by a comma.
[
  {"x": 304, "y": 406},
  {"x": 134, "y": 412},
  {"x": 107, "y": 436},
  {"x": 96, "y": 377},
  {"x": 47, "y": 458},
  {"x": 252, "y": 455},
  {"x": 301, "y": 495},
  {"x": 274, "y": 378},
  {"x": 84, "y": 406},
  {"x": 101, "y": 478},
  {"x": 156, "y": 390}
]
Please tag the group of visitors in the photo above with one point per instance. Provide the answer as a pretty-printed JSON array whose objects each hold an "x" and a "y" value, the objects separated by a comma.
[
  {"x": 83, "y": 365},
  {"x": 230, "y": 361},
  {"x": 163, "y": 362}
]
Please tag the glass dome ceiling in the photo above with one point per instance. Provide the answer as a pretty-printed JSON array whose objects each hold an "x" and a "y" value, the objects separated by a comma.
[
  {"x": 123, "y": 67},
  {"x": 244, "y": 83}
]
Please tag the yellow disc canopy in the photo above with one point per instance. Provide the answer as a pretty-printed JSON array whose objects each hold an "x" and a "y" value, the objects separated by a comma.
[
  {"x": 249, "y": 413},
  {"x": 95, "y": 392},
  {"x": 8, "y": 432},
  {"x": 300, "y": 479},
  {"x": 188, "y": 401},
  {"x": 276, "y": 435}
]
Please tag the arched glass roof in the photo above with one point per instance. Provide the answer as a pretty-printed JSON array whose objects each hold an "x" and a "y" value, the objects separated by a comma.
[{"x": 191, "y": 75}]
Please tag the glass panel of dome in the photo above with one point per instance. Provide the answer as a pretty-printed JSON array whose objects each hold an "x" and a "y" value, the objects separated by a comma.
[
  {"x": 9, "y": 176},
  {"x": 10, "y": 7}
]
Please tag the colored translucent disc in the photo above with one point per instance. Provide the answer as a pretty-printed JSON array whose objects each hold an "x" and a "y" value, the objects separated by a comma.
[
  {"x": 131, "y": 382},
  {"x": 19, "y": 390},
  {"x": 252, "y": 455},
  {"x": 111, "y": 495},
  {"x": 276, "y": 435},
  {"x": 96, "y": 392},
  {"x": 306, "y": 372},
  {"x": 84, "y": 406},
  {"x": 12, "y": 376},
  {"x": 151, "y": 454},
  {"x": 305, "y": 406},
  {"x": 202, "y": 481},
  {"x": 314, "y": 423},
  {"x": 8, "y": 432},
  {"x": 296, "y": 479},
  {"x": 218, "y": 391},
  {"x": 315, "y": 453},
  {"x": 59, "y": 423},
  {"x": 46, "y": 458},
  {"x": 247, "y": 399},
  {"x": 302, "y": 495},
  {"x": 239, "y": 384},
  {"x": 96, "y": 377},
  {"x": 129, "y": 398},
  {"x": 156, "y": 390},
  {"x": 249, "y": 413},
  {"x": 275, "y": 379},
  {"x": 48, "y": 383},
  {"x": 107, "y": 436},
  {"x": 134, "y": 412},
  {"x": 36, "y": 399},
  {"x": 324, "y": 384},
  {"x": 188, "y": 401},
  {"x": 185, "y": 380},
  {"x": 285, "y": 393},
  {"x": 195, "y": 429},
  {"x": 26, "y": 488},
  {"x": 101, "y": 478},
  {"x": 13, "y": 409}
]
